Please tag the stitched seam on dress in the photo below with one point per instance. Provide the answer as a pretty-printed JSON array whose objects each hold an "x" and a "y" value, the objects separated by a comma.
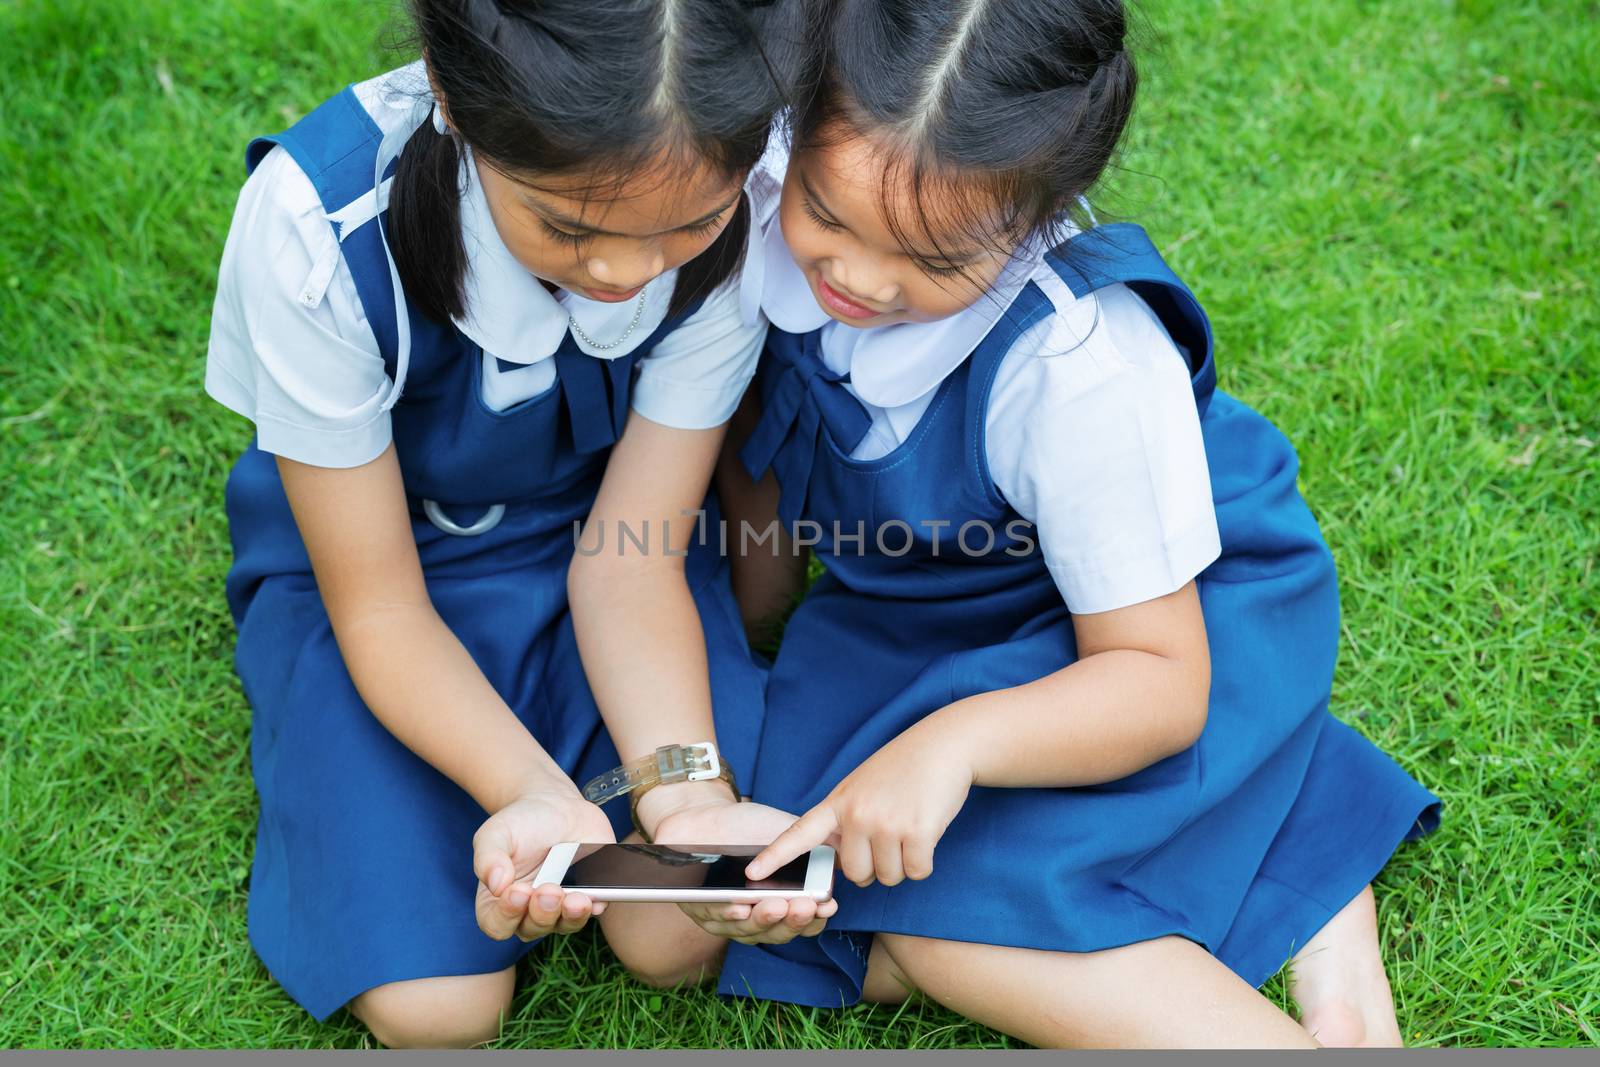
[
  {"x": 938, "y": 404},
  {"x": 1296, "y": 890},
  {"x": 374, "y": 133},
  {"x": 1377, "y": 827},
  {"x": 980, "y": 429}
]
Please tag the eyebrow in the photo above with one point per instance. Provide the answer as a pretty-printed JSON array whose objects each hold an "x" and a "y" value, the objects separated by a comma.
[
  {"x": 573, "y": 224},
  {"x": 952, "y": 260}
]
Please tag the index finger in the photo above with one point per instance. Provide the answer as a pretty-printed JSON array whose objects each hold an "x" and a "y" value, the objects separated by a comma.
[{"x": 804, "y": 834}]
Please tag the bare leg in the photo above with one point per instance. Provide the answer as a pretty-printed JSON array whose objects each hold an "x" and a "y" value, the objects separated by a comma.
[
  {"x": 458, "y": 1011},
  {"x": 1166, "y": 993},
  {"x": 885, "y": 983},
  {"x": 1339, "y": 984},
  {"x": 660, "y": 945}
]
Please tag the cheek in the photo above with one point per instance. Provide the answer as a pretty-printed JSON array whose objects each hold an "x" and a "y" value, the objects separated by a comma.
[
  {"x": 525, "y": 239},
  {"x": 808, "y": 243},
  {"x": 680, "y": 249},
  {"x": 931, "y": 298},
  {"x": 542, "y": 255}
]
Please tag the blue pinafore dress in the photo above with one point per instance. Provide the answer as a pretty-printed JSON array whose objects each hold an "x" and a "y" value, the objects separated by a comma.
[
  {"x": 363, "y": 865},
  {"x": 1246, "y": 843}
]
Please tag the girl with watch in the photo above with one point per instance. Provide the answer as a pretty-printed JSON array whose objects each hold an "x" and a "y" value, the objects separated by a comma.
[{"x": 468, "y": 305}]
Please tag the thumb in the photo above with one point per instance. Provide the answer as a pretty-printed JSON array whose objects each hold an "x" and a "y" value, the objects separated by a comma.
[
  {"x": 491, "y": 858},
  {"x": 807, "y": 832}
]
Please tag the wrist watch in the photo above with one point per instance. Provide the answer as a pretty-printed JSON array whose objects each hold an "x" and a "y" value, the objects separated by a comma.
[{"x": 667, "y": 764}]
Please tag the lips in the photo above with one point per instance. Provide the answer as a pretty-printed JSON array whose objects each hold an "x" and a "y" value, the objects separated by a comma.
[
  {"x": 842, "y": 305},
  {"x": 608, "y": 296}
]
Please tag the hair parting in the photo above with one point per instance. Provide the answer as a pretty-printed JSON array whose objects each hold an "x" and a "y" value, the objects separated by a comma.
[
  {"x": 601, "y": 90},
  {"x": 1009, "y": 110}
]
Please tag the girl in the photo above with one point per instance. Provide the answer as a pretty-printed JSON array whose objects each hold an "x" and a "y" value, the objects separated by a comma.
[
  {"x": 468, "y": 304},
  {"x": 1060, "y": 698}
]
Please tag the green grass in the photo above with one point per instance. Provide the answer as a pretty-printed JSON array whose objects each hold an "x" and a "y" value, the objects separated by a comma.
[{"x": 1390, "y": 210}]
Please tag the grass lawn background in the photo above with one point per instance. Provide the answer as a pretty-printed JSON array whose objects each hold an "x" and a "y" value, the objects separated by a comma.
[{"x": 1390, "y": 210}]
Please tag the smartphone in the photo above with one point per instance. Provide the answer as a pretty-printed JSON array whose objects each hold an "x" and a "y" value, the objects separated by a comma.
[{"x": 682, "y": 874}]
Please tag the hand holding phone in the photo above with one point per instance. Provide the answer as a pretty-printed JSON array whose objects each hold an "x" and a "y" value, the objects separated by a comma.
[
  {"x": 509, "y": 849},
  {"x": 767, "y": 922}
]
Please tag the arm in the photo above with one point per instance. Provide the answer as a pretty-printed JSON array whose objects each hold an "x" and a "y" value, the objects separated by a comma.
[
  {"x": 422, "y": 684},
  {"x": 409, "y": 668},
  {"x": 1137, "y": 695},
  {"x": 643, "y": 649},
  {"x": 768, "y": 580},
  {"x": 638, "y": 630}
]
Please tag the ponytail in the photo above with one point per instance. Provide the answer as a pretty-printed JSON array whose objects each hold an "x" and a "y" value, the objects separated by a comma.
[
  {"x": 564, "y": 87},
  {"x": 425, "y": 224}
]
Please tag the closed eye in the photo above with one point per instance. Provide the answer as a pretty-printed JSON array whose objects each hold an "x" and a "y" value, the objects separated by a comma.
[
  {"x": 577, "y": 240},
  {"x": 816, "y": 217},
  {"x": 713, "y": 223},
  {"x": 939, "y": 270},
  {"x": 572, "y": 240}
]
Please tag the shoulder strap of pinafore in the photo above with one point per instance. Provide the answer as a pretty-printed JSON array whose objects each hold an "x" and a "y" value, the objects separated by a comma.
[
  {"x": 1118, "y": 253},
  {"x": 336, "y": 145},
  {"x": 1122, "y": 253}
]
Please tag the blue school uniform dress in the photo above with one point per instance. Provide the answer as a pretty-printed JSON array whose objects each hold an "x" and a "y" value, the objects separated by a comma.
[
  {"x": 502, "y": 424},
  {"x": 1061, "y": 447}
]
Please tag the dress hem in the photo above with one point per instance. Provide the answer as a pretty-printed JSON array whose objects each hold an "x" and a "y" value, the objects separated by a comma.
[
  {"x": 325, "y": 995},
  {"x": 1310, "y": 913}
]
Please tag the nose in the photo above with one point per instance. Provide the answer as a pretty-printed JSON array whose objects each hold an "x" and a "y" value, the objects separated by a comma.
[
  {"x": 626, "y": 269},
  {"x": 865, "y": 279}
]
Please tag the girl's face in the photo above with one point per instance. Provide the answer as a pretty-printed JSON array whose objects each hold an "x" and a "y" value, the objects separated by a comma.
[
  {"x": 835, "y": 205},
  {"x": 607, "y": 247}
]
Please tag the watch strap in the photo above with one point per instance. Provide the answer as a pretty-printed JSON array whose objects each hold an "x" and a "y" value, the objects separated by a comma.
[{"x": 667, "y": 764}]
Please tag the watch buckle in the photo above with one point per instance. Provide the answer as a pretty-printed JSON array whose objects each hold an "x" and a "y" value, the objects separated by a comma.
[
  {"x": 687, "y": 763},
  {"x": 703, "y": 761}
]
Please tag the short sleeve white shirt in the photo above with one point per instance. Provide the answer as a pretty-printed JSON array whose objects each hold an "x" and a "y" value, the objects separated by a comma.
[
  {"x": 291, "y": 348},
  {"x": 1092, "y": 433}
]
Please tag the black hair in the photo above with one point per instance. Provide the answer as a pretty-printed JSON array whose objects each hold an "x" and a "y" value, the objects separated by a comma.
[
  {"x": 1010, "y": 104},
  {"x": 591, "y": 87}
]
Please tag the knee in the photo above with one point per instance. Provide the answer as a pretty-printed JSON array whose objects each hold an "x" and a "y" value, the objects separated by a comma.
[
  {"x": 901, "y": 950},
  {"x": 668, "y": 974},
  {"x": 665, "y": 966},
  {"x": 458, "y": 1011},
  {"x": 660, "y": 947},
  {"x": 888, "y": 981}
]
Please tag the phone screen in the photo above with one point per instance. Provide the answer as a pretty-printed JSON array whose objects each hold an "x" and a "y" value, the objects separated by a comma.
[{"x": 677, "y": 867}]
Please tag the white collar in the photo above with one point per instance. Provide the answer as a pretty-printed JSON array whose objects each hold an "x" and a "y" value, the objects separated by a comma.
[
  {"x": 765, "y": 189},
  {"x": 888, "y": 365},
  {"x": 510, "y": 313},
  {"x": 513, "y": 317}
]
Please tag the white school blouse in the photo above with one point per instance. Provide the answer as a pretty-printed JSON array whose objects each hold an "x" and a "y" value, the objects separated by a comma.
[
  {"x": 1092, "y": 433},
  {"x": 291, "y": 349}
]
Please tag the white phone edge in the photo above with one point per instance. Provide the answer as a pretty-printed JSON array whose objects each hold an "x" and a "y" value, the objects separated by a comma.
[
  {"x": 556, "y": 862},
  {"x": 684, "y": 896},
  {"x": 819, "y": 873}
]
